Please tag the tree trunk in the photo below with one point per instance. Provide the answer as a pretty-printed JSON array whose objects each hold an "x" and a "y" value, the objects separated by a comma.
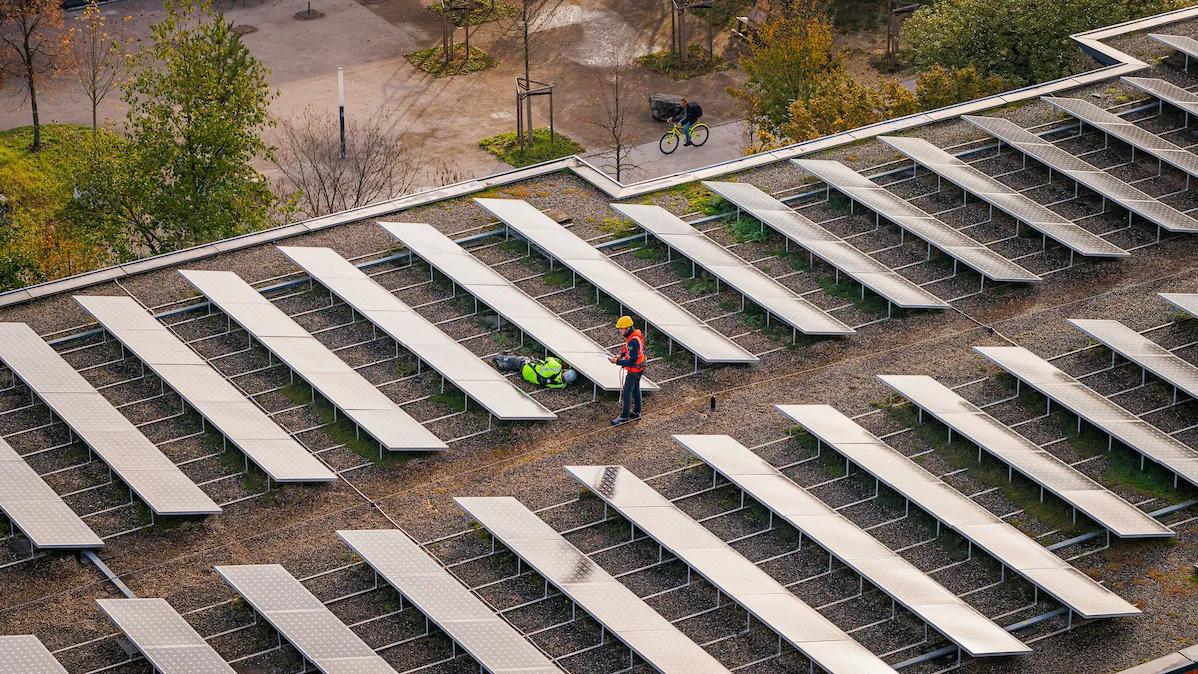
[
  {"x": 527, "y": 77},
  {"x": 95, "y": 127},
  {"x": 30, "y": 78}
]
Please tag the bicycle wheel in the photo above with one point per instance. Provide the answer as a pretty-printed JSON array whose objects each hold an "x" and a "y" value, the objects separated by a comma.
[
  {"x": 699, "y": 134},
  {"x": 668, "y": 142}
]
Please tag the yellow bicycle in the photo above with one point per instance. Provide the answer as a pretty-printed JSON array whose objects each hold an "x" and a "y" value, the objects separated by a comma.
[{"x": 674, "y": 137}]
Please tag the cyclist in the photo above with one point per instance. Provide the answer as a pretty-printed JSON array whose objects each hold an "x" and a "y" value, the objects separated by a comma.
[{"x": 691, "y": 112}]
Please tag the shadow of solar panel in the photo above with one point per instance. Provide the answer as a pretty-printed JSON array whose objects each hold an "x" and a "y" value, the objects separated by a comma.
[
  {"x": 533, "y": 318},
  {"x": 597, "y": 592},
  {"x": 740, "y": 579},
  {"x": 209, "y": 393},
  {"x": 1106, "y": 185},
  {"x": 743, "y": 277},
  {"x": 639, "y": 297},
  {"x": 876, "y": 563},
  {"x": 1004, "y": 198},
  {"x": 306, "y": 356},
  {"x": 910, "y": 217},
  {"x": 488, "y": 638},
  {"x": 139, "y": 464},
  {"x": 1008, "y": 446},
  {"x": 397, "y": 320},
  {"x": 981, "y": 527}
]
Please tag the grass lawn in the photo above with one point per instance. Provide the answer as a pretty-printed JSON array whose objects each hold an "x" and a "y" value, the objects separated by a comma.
[
  {"x": 482, "y": 12},
  {"x": 507, "y": 147},
  {"x": 699, "y": 62},
  {"x": 432, "y": 61}
]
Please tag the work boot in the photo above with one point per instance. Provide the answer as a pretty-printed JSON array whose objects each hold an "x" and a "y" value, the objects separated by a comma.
[{"x": 619, "y": 420}]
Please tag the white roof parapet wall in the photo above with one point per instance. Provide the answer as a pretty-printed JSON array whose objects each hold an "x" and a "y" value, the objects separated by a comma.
[{"x": 1117, "y": 63}]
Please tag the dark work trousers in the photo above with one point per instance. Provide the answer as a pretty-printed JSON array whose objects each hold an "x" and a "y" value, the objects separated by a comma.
[{"x": 631, "y": 395}]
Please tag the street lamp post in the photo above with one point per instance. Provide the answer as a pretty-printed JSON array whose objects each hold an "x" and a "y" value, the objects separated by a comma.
[{"x": 341, "y": 106}]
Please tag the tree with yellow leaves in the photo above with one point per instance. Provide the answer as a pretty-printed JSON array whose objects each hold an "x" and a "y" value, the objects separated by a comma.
[
  {"x": 33, "y": 47},
  {"x": 98, "y": 58},
  {"x": 840, "y": 103}
]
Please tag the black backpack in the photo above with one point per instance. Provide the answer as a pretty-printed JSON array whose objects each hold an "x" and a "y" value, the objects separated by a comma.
[{"x": 698, "y": 110}]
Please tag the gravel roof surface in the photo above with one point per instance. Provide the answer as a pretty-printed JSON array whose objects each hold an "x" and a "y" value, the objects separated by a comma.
[{"x": 294, "y": 525}]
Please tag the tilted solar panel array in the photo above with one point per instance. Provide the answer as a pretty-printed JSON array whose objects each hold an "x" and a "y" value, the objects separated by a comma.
[
  {"x": 166, "y": 640},
  {"x": 1168, "y": 92},
  {"x": 1006, "y": 199},
  {"x": 915, "y": 220},
  {"x": 26, "y": 654},
  {"x": 856, "y": 549},
  {"x": 749, "y": 281},
  {"x": 1097, "y": 409},
  {"x": 278, "y": 454},
  {"x": 508, "y": 301},
  {"x": 1182, "y": 43},
  {"x": 36, "y": 509},
  {"x": 1083, "y": 173},
  {"x": 1144, "y": 352},
  {"x": 1064, "y": 481},
  {"x": 340, "y": 384},
  {"x": 656, "y": 640},
  {"x": 767, "y": 600},
  {"x": 825, "y": 245},
  {"x": 416, "y": 334},
  {"x": 1183, "y": 301},
  {"x": 979, "y": 526},
  {"x": 485, "y": 636},
  {"x": 301, "y": 619},
  {"x": 625, "y": 287},
  {"x": 134, "y": 459},
  {"x": 1177, "y": 157}
]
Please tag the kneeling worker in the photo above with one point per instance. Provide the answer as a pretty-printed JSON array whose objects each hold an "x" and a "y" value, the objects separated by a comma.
[
  {"x": 549, "y": 372},
  {"x": 632, "y": 358}
]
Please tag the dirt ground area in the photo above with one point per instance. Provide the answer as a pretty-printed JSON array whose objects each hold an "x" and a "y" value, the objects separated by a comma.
[{"x": 53, "y": 596}]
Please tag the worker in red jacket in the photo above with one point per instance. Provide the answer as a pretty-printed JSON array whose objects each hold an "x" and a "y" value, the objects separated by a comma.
[{"x": 632, "y": 358}]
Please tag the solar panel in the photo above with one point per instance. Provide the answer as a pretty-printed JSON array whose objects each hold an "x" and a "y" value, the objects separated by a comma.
[
  {"x": 341, "y": 385},
  {"x": 913, "y": 219},
  {"x": 1183, "y": 44},
  {"x": 532, "y": 317},
  {"x": 1128, "y": 132},
  {"x": 1004, "y": 198},
  {"x": 128, "y": 454},
  {"x": 450, "y": 359},
  {"x": 1025, "y": 456},
  {"x": 1167, "y": 92},
  {"x": 1183, "y": 301},
  {"x": 166, "y": 640},
  {"x": 824, "y": 244},
  {"x": 750, "y": 281},
  {"x": 1173, "y": 663},
  {"x": 1095, "y": 408},
  {"x": 38, "y": 510},
  {"x": 488, "y": 638},
  {"x": 982, "y": 528},
  {"x": 656, "y": 640},
  {"x": 25, "y": 654},
  {"x": 245, "y": 425},
  {"x": 600, "y": 271},
  {"x": 1102, "y": 183},
  {"x": 856, "y": 549},
  {"x": 816, "y": 637},
  {"x": 303, "y": 620},
  {"x": 1143, "y": 352}
]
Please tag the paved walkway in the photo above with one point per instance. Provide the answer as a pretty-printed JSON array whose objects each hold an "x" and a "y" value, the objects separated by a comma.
[{"x": 445, "y": 117}]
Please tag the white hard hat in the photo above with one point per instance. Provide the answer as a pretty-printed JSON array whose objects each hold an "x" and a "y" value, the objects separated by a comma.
[{"x": 569, "y": 376}]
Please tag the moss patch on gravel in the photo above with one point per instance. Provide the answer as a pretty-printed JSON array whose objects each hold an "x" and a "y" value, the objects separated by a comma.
[
  {"x": 506, "y": 146},
  {"x": 432, "y": 61},
  {"x": 341, "y": 429}
]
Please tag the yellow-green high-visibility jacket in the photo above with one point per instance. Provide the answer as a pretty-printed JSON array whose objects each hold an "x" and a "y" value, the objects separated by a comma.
[{"x": 547, "y": 373}]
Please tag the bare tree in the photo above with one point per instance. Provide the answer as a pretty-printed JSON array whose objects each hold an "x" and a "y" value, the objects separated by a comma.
[
  {"x": 609, "y": 110},
  {"x": 376, "y": 165},
  {"x": 523, "y": 26},
  {"x": 97, "y": 57},
  {"x": 33, "y": 46}
]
